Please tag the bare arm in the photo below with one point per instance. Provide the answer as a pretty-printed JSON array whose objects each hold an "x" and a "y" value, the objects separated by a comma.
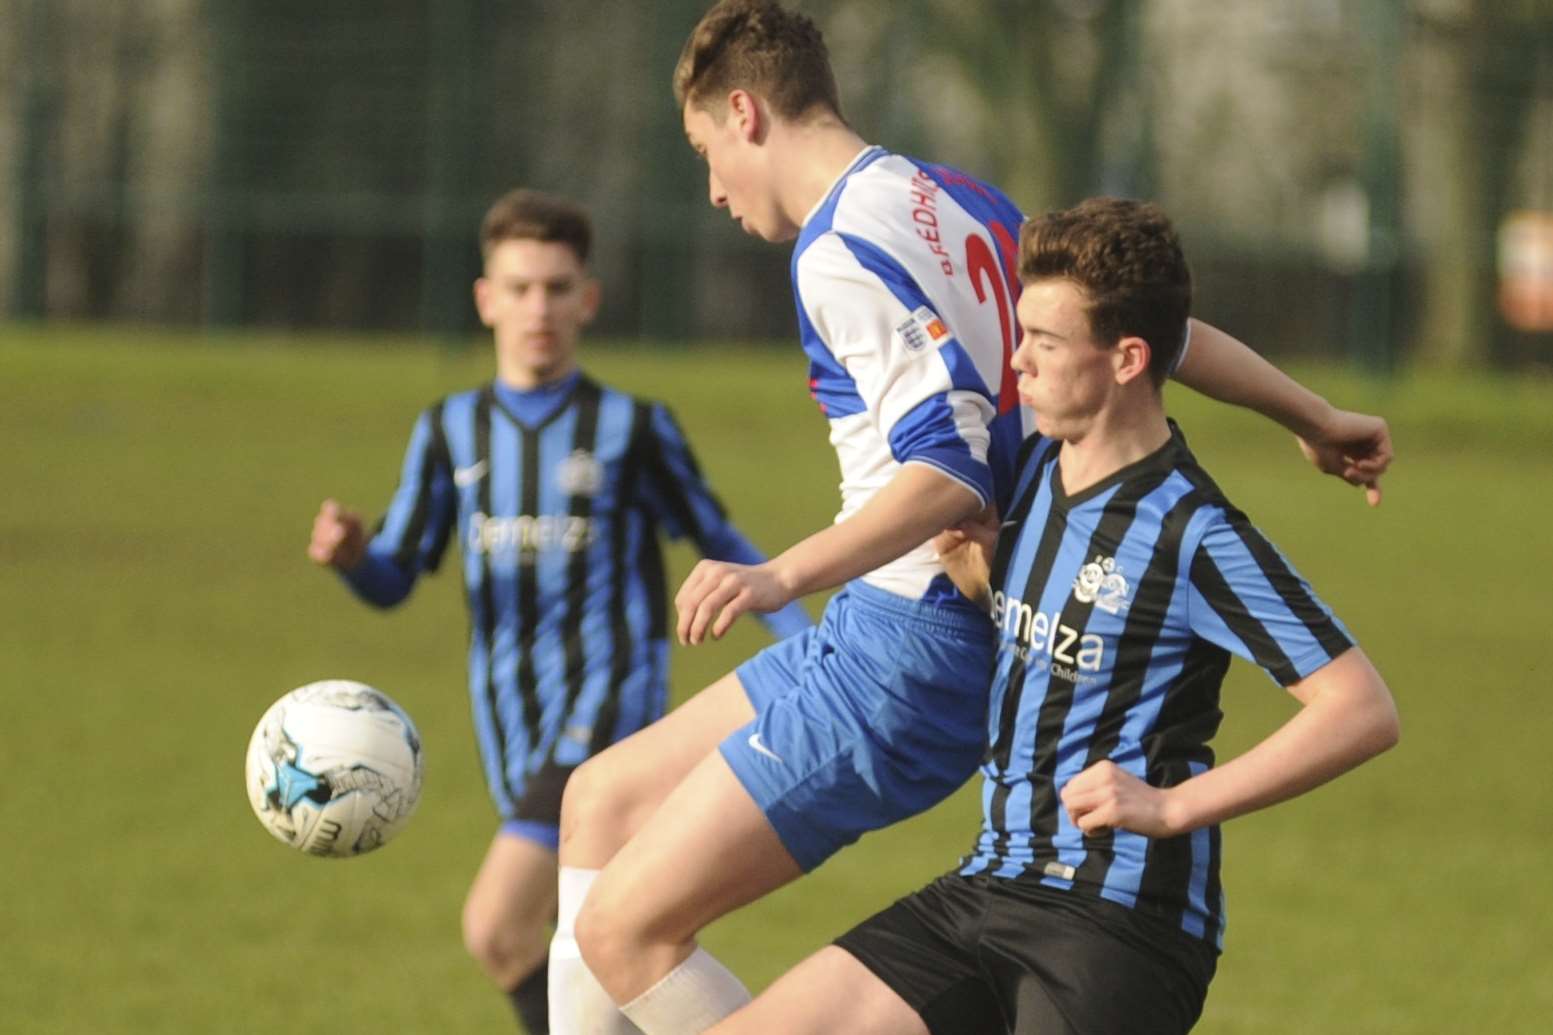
[
  {"x": 1353, "y": 446},
  {"x": 917, "y": 503},
  {"x": 1347, "y": 717},
  {"x": 967, "y": 550}
]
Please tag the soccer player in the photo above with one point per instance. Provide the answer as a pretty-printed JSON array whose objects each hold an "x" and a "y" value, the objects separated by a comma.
[
  {"x": 905, "y": 282},
  {"x": 1120, "y": 585},
  {"x": 556, "y": 488}
]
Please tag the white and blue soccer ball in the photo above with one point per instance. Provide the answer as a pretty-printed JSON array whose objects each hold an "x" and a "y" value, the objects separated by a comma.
[{"x": 334, "y": 768}]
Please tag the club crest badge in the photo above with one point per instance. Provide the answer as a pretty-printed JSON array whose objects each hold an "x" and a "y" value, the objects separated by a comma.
[
  {"x": 1101, "y": 582},
  {"x": 580, "y": 474}
]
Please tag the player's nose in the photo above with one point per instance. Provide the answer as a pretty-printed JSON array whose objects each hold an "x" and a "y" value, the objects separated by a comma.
[{"x": 1023, "y": 359}]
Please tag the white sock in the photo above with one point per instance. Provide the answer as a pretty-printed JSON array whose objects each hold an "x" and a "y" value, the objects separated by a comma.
[
  {"x": 690, "y": 999},
  {"x": 578, "y": 1003}
]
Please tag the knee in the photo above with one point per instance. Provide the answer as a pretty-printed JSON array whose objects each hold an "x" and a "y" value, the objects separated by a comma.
[
  {"x": 605, "y": 935},
  {"x": 505, "y": 950},
  {"x": 596, "y": 813}
]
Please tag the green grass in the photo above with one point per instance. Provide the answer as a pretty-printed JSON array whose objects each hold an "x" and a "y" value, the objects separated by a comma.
[{"x": 158, "y": 492}]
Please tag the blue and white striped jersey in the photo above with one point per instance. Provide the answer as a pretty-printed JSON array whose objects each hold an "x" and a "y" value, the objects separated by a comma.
[
  {"x": 558, "y": 523},
  {"x": 905, "y": 283},
  {"x": 1117, "y": 609}
]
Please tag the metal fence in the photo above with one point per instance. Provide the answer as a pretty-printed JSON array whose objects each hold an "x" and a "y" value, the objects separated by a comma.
[{"x": 1356, "y": 177}]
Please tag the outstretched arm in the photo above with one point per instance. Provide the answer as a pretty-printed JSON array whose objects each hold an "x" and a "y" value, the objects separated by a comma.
[
  {"x": 339, "y": 541},
  {"x": 678, "y": 493},
  {"x": 381, "y": 568},
  {"x": 1347, "y": 717},
  {"x": 918, "y": 502},
  {"x": 1353, "y": 446}
]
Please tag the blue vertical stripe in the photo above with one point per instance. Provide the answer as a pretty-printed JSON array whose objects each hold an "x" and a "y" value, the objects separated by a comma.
[{"x": 1193, "y": 921}]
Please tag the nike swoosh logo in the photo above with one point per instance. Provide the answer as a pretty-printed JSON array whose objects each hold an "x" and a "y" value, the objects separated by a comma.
[
  {"x": 758, "y": 746},
  {"x": 466, "y": 476}
]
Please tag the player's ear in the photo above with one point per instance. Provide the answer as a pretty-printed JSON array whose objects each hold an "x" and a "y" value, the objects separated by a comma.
[
  {"x": 747, "y": 115},
  {"x": 483, "y": 300},
  {"x": 1131, "y": 359},
  {"x": 592, "y": 295}
]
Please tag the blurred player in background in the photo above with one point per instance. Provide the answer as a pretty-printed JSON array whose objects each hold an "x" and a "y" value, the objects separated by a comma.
[
  {"x": 905, "y": 282},
  {"x": 556, "y": 488},
  {"x": 1119, "y": 586}
]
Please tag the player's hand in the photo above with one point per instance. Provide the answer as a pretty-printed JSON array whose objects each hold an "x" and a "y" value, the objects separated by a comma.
[
  {"x": 718, "y": 592},
  {"x": 339, "y": 540},
  {"x": 1354, "y": 447},
  {"x": 967, "y": 550},
  {"x": 1106, "y": 797}
]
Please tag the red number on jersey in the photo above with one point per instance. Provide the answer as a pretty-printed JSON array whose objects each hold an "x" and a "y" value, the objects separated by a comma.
[{"x": 984, "y": 270}]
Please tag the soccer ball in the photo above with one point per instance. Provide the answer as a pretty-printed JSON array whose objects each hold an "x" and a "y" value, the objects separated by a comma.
[{"x": 334, "y": 768}]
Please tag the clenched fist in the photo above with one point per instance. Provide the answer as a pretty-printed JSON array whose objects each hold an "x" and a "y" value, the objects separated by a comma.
[{"x": 339, "y": 540}]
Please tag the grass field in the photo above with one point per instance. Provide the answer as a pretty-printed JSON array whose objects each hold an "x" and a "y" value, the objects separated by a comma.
[{"x": 155, "y": 595}]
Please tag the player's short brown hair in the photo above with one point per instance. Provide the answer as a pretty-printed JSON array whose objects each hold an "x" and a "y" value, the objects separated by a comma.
[
  {"x": 529, "y": 215},
  {"x": 1126, "y": 258},
  {"x": 758, "y": 46}
]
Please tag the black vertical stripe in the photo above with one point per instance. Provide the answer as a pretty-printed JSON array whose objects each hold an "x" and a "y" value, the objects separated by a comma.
[
  {"x": 620, "y": 624},
  {"x": 1024, "y": 494},
  {"x": 528, "y": 588},
  {"x": 579, "y": 508},
  {"x": 1040, "y": 566},
  {"x": 1117, "y": 517},
  {"x": 1264, "y": 647},
  {"x": 1135, "y": 651},
  {"x": 1188, "y": 719},
  {"x": 442, "y": 474},
  {"x": 671, "y": 488},
  {"x": 1013, "y": 694},
  {"x": 487, "y": 596},
  {"x": 1289, "y": 586},
  {"x": 650, "y": 567},
  {"x": 1213, "y": 892},
  {"x": 434, "y": 452}
]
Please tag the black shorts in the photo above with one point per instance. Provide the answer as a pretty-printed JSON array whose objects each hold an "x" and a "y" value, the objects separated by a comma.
[
  {"x": 541, "y": 798},
  {"x": 986, "y": 956}
]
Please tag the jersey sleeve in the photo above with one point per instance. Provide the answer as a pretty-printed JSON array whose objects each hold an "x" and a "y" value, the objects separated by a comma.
[
  {"x": 898, "y": 356},
  {"x": 684, "y": 505},
  {"x": 413, "y": 534},
  {"x": 1245, "y": 597}
]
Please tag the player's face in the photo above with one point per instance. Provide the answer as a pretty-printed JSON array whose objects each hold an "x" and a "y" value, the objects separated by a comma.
[
  {"x": 737, "y": 177},
  {"x": 1065, "y": 375},
  {"x": 536, "y": 297}
]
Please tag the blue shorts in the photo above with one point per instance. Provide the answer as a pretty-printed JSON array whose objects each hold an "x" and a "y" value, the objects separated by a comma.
[{"x": 874, "y": 715}]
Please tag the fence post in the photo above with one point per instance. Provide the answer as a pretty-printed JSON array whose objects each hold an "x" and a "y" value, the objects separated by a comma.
[
  {"x": 29, "y": 287},
  {"x": 1373, "y": 329},
  {"x": 222, "y": 270},
  {"x": 666, "y": 206}
]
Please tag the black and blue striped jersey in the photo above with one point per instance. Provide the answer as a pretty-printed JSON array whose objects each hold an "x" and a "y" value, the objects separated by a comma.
[
  {"x": 558, "y": 523},
  {"x": 1117, "y": 609}
]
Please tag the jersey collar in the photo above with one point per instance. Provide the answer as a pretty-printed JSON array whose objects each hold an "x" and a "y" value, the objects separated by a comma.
[{"x": 863, "y": 158}]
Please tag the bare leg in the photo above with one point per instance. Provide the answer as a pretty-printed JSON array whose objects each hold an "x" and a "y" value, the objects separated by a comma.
[
  {"x": 707, "y": 851},
  {"x": 607, "y": 799},
  {"x": 611, "y": 795},
  {"x": 509, "y": 908},
  {"x": 826, "y": 993},
  {"x": 506, "y": 923}
]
